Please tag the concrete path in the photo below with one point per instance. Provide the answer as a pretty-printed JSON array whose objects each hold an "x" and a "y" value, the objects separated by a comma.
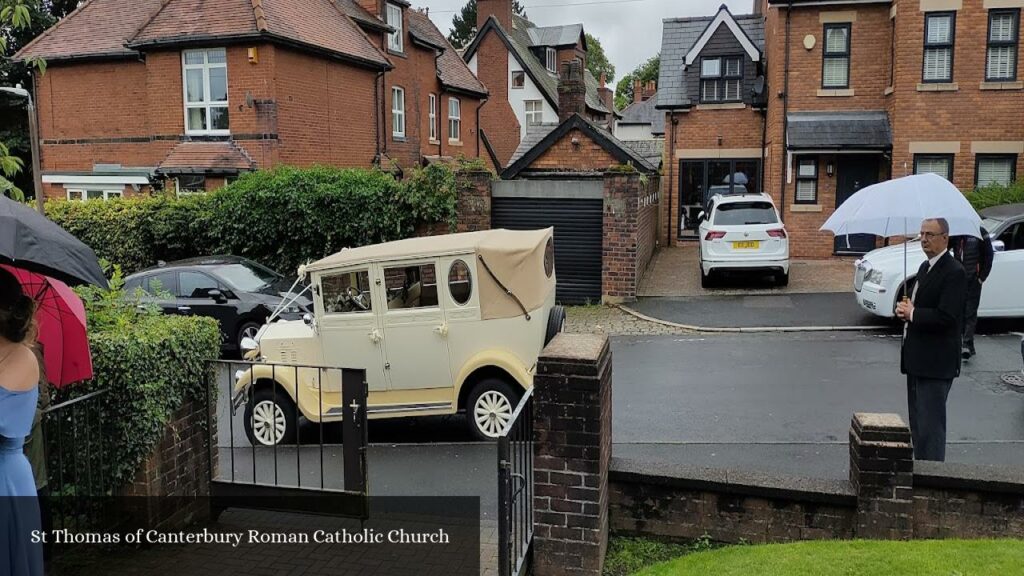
[
  {"x": 674, "y": 272},
  {"x": 774, "y": 310}
]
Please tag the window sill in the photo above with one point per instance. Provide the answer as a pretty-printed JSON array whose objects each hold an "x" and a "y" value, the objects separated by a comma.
[
  {"x": 1002, "y": 86},
  {"x": 455, "y": 142},
  {"x": 888, "y": 91},
  {"x": 835, "y": 92},
  {"x": 397, "y": 138},
  {"x": 398, "y": 53},
  {"x": 207, "y": 133},
  {"x": 722, "y": 106},
  {"x": 938, "y": 87},
  {"x": 805, "y": 208},
  {"x": 434, "y": 142}
]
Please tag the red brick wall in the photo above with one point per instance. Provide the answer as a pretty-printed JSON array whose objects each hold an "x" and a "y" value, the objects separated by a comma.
[
  {"x": 587, "y": 156},
  {"x": 968, "y": 114},
  {"x": 704, "y": 129},
  {"x": 630, "y": 206},
  {"x": 497, "y": 118}
]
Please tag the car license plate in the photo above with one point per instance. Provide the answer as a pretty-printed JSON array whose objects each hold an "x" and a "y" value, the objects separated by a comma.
[{"x": 746, "y": 244}]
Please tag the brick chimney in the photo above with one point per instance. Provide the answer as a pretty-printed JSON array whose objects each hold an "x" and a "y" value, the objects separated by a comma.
[
  {"x": 500, "y": 9},
  {"x": 572, "y": 91},
  {"x": 638, "y": 91},
  {"x": 649, "y": 89},
  {"x": 606, "y": 93},
  {"x": 371, "y": 6}
]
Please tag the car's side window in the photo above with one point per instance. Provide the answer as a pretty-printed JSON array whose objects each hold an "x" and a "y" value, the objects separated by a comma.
[
  {"x": 411, "y": 286},
  {"x": 195, "y": 285},
  {"x": 460, "y": 281},
  {"x": 346, "y": 292},
  {"x": 161, "y": 283},
  {"x": 1013, "y": 237}
]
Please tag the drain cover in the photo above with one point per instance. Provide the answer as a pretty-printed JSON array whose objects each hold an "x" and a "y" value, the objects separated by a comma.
[{"x": 1014, "y": 379}]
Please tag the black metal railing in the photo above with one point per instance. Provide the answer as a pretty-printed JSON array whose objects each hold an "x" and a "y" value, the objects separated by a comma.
[
  {"x": 252, "y": 460},
  {"x": 515, "y": 490},
  {"x": 78, "y": 468}
]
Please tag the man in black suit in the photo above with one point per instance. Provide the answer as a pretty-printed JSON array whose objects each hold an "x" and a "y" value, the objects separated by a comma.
[{"x": 931, "y": 343}]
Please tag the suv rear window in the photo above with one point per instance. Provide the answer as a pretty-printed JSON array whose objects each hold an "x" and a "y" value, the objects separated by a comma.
[{"x": 743, "y": 213}]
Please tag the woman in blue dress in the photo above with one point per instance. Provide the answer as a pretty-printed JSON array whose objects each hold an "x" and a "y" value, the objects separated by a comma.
[{"x": 19, "y": 389}]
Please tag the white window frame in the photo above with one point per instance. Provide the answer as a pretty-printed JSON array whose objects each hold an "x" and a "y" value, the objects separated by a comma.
[
  {"x": 454, "y": 120},
  {"x": 396, "y": 39},
  {"x": 536, "y": 116},
  {"x": 206, "y": 103},
  {"x": 178, "y": 191},
  {"x": 397, "y": 112},
  {"x": 522, "y": 76},
  {"x": 108, "y": 193},
  {"x": 432, "y": 114},
  {"x": 806, "y": 175},
  {"x": 551, "y": 60}
]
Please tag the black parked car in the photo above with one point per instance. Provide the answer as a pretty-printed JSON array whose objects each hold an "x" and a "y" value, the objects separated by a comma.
[{"x": 238, "y": 292}]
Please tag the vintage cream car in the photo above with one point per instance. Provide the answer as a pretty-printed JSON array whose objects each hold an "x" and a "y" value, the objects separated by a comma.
[{"x": 441, "y": 324}]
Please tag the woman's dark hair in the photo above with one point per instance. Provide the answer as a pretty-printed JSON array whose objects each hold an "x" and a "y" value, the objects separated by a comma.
[{"x": 17, "y": 311}]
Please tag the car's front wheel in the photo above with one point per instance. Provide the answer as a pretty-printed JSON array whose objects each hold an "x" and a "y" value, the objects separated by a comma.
[
  {"x": 489, "y": 408},
  {"x": 270, "y": 418},
  {"x": 247, "y": 330}
]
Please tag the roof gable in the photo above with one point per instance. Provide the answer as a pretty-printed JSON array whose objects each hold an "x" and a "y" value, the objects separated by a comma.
[
  {"x": 645, "y": 112},
  {"x": 615, "y": 147},
  {"x": 452, "y": 71},
  {"x": 724, "y": 17}
]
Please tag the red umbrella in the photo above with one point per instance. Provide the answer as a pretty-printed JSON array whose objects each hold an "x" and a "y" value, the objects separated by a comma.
[{"x": 62, "y": 334}]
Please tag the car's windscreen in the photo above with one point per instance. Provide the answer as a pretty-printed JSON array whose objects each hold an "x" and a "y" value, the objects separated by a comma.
[
  {"x": 247, "y": 277},
  {"x": 745, "y": 213},
  {"x": 990, "y": 224}
]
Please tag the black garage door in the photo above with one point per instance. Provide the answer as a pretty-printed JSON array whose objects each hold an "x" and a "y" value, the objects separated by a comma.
[{"x": 578, "y": 236}]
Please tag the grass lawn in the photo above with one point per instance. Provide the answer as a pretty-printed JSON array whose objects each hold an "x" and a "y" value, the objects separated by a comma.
[{"x": 853, "y": 558}]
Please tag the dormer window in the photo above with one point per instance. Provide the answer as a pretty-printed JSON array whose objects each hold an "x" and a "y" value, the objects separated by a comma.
[
  {"x": 721, "y": 79},
  {"x": 551, "y": 60},
  {"x": 395, "y": 39}
]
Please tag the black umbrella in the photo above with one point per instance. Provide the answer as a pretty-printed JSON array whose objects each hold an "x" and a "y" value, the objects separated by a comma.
[{"x": 30, "y": 241}]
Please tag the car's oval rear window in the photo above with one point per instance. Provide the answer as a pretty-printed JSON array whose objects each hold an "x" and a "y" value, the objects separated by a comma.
[
  {"x": 745, "y": 213},
  {"x": 460, "y": 282},
  {"x": 549, "y": 257}
]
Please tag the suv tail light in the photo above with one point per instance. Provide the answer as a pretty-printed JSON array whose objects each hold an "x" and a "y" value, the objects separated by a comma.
[
  {"x": 714, "y": 235},
  {"x": 777, "y": 233}
]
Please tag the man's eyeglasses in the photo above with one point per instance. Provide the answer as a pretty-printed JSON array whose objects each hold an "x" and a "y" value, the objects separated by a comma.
[{"x": 930, "y": 235}]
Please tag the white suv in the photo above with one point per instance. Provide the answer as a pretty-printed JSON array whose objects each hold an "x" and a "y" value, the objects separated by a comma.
[{"x": 743, "y": 232}]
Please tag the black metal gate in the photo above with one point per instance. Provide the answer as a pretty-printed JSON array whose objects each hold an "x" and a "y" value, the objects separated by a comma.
[
  {"x": 515, "y": 491},
  {"x": 578, "y": 220},
  {"x": 279, "y": 476}
]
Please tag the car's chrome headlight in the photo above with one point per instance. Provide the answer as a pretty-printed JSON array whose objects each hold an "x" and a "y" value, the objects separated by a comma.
[
  {"x": 293, "y": 309},
  {"x": 249, "y": 344},
  {"x": 873, "y": 276}
]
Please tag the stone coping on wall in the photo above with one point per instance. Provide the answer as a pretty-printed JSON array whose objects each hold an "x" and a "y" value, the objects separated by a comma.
[
  {"x": 970, "y": 477},
  {"x": 754, "y": 484}
]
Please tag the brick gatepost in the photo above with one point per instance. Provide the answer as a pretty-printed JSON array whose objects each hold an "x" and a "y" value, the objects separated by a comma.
[
  {"x": 572, "y": 434},
  {"x": 474, "y": 200},
  {"x": 882, "y": 474}
]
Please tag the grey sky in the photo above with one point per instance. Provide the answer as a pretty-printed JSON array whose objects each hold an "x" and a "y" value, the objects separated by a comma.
[{"x": 629, "y": 30}]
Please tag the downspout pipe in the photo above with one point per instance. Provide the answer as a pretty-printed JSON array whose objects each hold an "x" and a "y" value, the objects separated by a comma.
[
  {"x": 377, "y": 89},
  {"x": 672, "y": 220},
  {"x": 785, "y": 117},
  {"x": 478, "y": 107}
]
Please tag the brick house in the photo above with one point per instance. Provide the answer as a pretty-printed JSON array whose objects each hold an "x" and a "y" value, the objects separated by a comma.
[
  {"x": 191, "y": 93},
  {"x": 856, "y": 92},
  {"x": 518, "y": 62}
]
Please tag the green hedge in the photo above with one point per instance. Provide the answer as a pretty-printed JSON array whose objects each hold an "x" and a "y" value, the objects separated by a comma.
[
  {"x": 149, "y": 364},
  {"x": 280, "y": 218},
  {"x": 995, "y": 195}
]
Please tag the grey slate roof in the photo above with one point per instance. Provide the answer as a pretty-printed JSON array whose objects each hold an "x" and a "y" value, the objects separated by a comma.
[
  {"x": 555, "y": 35},
  {"x": 839, "y": 130},
  {"x": 651, "y": 150},
  {"x": 645, "y": 113},
  {"x": 534, "y": 134},
  {"x": 677, "y": 38}
]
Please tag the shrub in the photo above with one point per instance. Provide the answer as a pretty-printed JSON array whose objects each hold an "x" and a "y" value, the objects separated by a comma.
[
  {"x": 149, "y": 364},
  {"x": 280, "y": 218},
  {"x": 996, "y": 194}
]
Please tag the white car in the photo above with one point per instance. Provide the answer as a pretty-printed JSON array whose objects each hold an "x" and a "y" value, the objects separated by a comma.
[
  {"x": 879, "y": 283},
  {"x": 743, "y": 232}
]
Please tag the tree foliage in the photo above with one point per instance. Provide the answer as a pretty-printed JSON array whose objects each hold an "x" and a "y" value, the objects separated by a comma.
[
  {"x": 646, "y": 72},
  {"x": 464, "y": 24},
  {"x": 597, "y": 61}
]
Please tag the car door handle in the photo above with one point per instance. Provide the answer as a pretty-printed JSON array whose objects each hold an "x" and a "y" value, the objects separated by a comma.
[
  {"x": 184, "y": 308},
  {"x": 442, "y": 330},
  {"x": 374, "y": 335}
]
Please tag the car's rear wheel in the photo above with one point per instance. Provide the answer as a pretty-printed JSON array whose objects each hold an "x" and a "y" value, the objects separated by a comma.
[
  {"x": 489, "y": 408},
  {"x": 556, "y": 323},
  {"x": 247, "y": 330},
  {"x": 270, "y": 418}
]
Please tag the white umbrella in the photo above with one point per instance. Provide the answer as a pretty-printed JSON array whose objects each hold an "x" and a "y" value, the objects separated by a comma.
[{"x": 897, "y": 208}]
